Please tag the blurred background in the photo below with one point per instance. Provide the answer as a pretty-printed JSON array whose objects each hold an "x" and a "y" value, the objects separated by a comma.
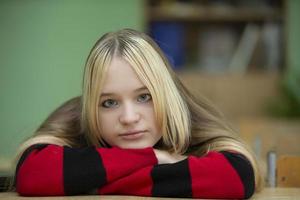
[{"x": 243, "y": 55}]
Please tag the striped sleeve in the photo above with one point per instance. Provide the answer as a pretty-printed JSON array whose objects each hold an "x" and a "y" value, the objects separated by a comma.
[
  {"x": 221, "y": 175},
  {"x": 54, "y": 170},
  {"x": 218, "y": 175}
]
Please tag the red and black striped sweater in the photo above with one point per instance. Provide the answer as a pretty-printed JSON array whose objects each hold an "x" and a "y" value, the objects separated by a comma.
[{"x": 50, "y": 170}]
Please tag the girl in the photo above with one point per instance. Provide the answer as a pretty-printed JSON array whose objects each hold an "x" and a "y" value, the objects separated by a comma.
[{"x": 136, "y": 130}]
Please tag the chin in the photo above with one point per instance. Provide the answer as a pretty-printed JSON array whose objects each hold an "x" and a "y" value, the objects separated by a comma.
[{"x": 135, "y": 145}]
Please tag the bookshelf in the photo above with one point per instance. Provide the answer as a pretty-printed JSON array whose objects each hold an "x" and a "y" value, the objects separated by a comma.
[{"x": 236, "y": 36}]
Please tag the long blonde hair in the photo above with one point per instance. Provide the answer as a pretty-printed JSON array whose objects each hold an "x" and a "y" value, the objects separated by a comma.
[
  {"x": 171, "y": 111},
  {"x": 189, "y": 125}
]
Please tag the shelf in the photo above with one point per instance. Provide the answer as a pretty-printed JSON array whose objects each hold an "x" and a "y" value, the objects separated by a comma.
[
  {"x": 188, "y": 13},
  {"x": 223, "y": 36}
]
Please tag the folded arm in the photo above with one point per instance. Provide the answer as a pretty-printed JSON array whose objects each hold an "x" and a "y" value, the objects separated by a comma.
[
  {"x": 55, "y": 170},
  {"x": 223, "y": 175}
]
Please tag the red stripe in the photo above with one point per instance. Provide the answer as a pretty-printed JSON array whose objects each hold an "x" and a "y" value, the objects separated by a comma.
[
  {"x": 214, "y": 177},
  {"x": 42, "y": 173},
  {"x": 138, "y": 183},
  {"x": 122, "y": 162}
]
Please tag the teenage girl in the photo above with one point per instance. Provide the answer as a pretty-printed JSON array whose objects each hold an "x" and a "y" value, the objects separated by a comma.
[{"x": 135, "y": 130}]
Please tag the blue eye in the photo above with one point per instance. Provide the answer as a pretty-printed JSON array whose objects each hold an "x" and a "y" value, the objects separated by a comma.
[
  {"x": 109, "y": 103},
  {"x": 144, "y": 98}
]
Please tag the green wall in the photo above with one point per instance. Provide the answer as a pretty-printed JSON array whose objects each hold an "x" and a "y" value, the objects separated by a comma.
[
  {"x": 293, "y": 48},
  {"x": 43, "y": 47}
]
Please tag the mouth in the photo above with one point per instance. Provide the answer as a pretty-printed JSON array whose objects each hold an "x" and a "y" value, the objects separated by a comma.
[{"x": 132, "y": 135}]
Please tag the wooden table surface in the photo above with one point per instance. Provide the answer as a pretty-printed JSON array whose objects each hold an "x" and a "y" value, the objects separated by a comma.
[{"x": 267, "y": 193}]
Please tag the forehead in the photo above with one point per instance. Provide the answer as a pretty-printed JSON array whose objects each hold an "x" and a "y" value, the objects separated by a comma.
[{"x": 121, "y": 77}]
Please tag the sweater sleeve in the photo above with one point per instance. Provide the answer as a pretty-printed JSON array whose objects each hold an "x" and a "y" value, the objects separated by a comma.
[
  {"x": 52, "y": 170},
  {"x": 223, "y": 175}
]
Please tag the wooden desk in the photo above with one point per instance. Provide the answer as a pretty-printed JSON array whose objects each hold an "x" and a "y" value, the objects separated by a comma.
[
  {"x": 267, "y": 193},
  {"x": 278, "y": 193}
]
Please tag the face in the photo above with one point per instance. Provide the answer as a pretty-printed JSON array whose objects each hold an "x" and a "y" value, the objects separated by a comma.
[{"x": 126, "y": 109}]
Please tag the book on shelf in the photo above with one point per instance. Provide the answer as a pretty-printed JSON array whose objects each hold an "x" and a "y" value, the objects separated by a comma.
[
  {"x": 215, "y": 47},
  {"x": 170, "y": 38},
  {"x": 259, "y": 48},
  {"x": 271, "y": 34},
  {"x": 241, "y": 58},
  {"x": 221, "y": 48}
]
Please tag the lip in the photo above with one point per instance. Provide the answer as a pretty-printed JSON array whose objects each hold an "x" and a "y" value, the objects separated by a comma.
[{"x": 131, "y": 135}]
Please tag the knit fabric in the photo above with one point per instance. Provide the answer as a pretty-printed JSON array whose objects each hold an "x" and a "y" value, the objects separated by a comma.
[{"x": 51, "y": 170}]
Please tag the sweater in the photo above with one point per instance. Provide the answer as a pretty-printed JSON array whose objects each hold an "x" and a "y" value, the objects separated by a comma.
[{"x": 51, "y": 170}]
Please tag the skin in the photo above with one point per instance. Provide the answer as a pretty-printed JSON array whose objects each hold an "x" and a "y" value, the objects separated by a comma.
[{"x": 126, "y": 112}]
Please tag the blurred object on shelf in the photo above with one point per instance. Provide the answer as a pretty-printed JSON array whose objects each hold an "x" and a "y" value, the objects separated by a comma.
[
  {"x": 170, "y": 38},
  {"x": 242, "y": 56},
  {"x": 272, "y": 34},
  {"x": 215, "y": 48},
  {"x": 271, "y": 164}
]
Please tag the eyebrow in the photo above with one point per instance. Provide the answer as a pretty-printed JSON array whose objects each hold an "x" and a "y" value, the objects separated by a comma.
[{"x": 136, "y": 90}]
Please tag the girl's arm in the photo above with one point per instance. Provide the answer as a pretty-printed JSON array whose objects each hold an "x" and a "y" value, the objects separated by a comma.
[
  {"x": 225, "y": 175},
  {"x": 47, "y": 169}
]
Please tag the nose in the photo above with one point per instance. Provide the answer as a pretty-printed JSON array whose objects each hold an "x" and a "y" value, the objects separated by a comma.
[{"x": 129, "y": 115}]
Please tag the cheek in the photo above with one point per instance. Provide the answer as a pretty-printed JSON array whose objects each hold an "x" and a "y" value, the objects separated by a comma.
[
  {"x": 150, "y": 115},
  {"x": 106, "y": 121}
]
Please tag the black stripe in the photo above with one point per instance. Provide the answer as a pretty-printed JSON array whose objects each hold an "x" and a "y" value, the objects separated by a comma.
[
  {"x": 172, "y": 180},
  {"x": 83, "y": 170},
  {"x": 245, "y": 171},
  {"x": 25, "y": 155}
]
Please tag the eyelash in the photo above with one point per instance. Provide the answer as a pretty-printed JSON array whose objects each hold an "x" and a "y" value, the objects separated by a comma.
[
  {"x": 115, "y": 103},
  {"x": 149, "y": 97},
  {"x": 108, "y": 106}
]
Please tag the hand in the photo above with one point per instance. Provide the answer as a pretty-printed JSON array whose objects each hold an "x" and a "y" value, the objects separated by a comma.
[{"x": 165, "y": 157}]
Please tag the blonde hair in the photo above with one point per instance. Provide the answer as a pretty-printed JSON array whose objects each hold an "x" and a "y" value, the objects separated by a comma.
[
  {"x": 189, "y": 125},
  {"x": 62, "y": 127},
  {"x": 170, "y": 109}
]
